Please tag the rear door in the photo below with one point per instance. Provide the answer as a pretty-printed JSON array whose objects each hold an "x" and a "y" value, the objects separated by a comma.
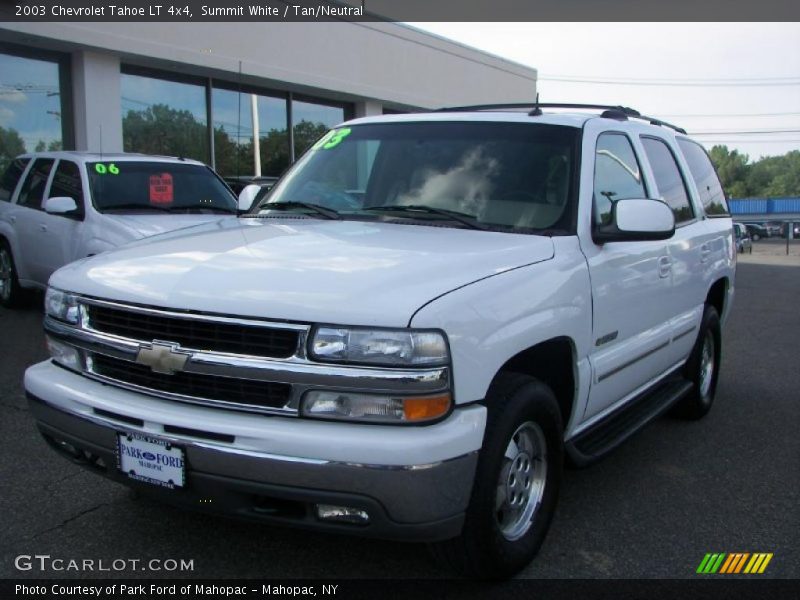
[{"x": 689, "y": 249}]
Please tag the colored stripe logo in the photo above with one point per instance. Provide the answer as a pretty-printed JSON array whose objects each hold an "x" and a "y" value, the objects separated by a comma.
[{"x": 734, "y": 563}]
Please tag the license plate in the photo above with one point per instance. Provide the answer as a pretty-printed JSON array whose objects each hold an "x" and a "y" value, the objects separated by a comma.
[{"x": 151, "y": 460}]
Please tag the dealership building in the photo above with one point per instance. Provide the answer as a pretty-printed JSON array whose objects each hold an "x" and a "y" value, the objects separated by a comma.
[{"x": 242, "y": 97}]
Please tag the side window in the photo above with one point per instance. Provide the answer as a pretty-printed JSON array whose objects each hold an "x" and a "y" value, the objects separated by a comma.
[
  {"x": 67, "y": 182},
  {"x": 705, "y": 177},
  {"x": 32, "y": 192},
  {"x": 668, "y": 178},
  {"x": 616, "y": 174},
  {"x": 10, "y": 178}
]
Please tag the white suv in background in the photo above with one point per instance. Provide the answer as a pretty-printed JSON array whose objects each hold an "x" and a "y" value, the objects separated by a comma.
[
  {"x": 409, "y": 334},
  {"x": 57, "y": 207}
]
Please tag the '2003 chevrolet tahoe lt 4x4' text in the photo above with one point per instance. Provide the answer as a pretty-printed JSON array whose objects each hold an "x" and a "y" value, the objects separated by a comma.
[{"x": 410, "y": 334}]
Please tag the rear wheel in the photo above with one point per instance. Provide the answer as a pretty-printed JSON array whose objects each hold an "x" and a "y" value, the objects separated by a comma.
[
  {"x": 516, "y": 482},
  {"x": 702, "y": 368},
  {"x": 10, "y": 291}
]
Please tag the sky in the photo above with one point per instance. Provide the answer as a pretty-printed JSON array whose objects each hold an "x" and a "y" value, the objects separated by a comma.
[{"x": 679, "y": 72}]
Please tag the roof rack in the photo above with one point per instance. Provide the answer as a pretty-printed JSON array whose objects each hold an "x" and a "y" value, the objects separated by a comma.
[{"x": 612, "y": 112}]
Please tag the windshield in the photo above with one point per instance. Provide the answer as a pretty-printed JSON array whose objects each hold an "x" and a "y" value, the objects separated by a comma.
[
  {"x": 488, "y": 174},
  {"x": 157, "y": 186}
]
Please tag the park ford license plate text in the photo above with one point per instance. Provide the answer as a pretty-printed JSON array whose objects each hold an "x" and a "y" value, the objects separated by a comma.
[{"x": 151, "y": 460}]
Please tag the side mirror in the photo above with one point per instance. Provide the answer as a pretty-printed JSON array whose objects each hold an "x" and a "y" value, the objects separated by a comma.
[
  {"x": 60, "y": 205},
  {"x": 637, "y": 220},
  {"x": 247, "y": 195}
]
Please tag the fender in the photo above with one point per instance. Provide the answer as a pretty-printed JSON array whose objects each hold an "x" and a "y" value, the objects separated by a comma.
[{"x": 492, "y": 320}]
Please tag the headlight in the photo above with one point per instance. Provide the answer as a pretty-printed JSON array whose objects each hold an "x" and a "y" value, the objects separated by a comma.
[
  {"x": 374, "y": 408},
  {"x": 61, "y": 305},
  {"x": 388, "y": 347}
]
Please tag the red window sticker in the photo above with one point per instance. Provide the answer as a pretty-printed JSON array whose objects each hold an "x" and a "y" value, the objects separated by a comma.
[{"x": 161, "y": 189}]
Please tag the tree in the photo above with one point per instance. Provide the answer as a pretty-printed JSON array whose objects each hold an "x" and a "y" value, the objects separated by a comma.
[
  {"x": 11, "y": 145},
  {"x": 160, "y": 129},
  {"x": 768, "y": 177}
]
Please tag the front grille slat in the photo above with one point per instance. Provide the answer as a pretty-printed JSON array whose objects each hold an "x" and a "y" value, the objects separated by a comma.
[
  {"x": 260, "y": 394},
  {"x": 198, "y": 334}
]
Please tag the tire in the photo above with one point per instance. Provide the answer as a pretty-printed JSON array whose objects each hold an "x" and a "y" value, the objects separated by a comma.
[
  {"x": 756, "y": 237},
  {"x": 513, "y": 500},
  {"x": 702, "y": 373},
  {"x": 11, "y": 294}
]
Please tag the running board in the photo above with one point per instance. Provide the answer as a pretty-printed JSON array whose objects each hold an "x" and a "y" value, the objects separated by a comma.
[{"x": 604, "y": 436}]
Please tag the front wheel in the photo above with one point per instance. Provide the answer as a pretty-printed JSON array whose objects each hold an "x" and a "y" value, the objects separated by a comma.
[{"x": 516, "y": 482}]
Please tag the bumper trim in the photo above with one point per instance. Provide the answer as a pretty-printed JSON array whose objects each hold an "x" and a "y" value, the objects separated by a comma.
[{"x": 413, "y": 502}]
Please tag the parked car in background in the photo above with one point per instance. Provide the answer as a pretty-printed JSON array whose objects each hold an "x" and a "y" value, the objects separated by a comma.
[
  {"x": 757, "y": 231},
  {"x": 742, "y": 237},
  {"x": 237, "y": 184},
  {"x": 57, "y": 207},
  {"x": 774, "y": 228},
  {"x": 795, "y": 227}
]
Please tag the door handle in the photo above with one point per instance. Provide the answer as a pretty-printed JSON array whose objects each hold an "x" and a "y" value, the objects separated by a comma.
[
  {"x": 705, "y": 251},
  {"x": 13, "y": 218},
  {"x": 42, "y": 227},
  {"x": 664, "y": 266}
]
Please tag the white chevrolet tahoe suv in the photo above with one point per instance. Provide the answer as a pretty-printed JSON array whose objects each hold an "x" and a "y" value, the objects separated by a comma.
[
  {"x": 410, "y": 334},
  {"x": 56, "y": 207}
]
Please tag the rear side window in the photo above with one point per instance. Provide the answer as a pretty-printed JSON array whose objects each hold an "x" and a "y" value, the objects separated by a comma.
[
  {"x": 705, "y": 177},
  {"x": 10, "y": 178},
  {"x": 32, "y": 192},
  {"x": 616, "y": 175},
  {"x": 668, "y": 178}
]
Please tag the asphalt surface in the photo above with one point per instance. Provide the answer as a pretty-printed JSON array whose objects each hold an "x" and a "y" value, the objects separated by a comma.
[{"x": 727, "y": 483}]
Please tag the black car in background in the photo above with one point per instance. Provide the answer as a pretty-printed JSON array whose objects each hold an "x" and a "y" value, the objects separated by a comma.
[{"x": 757, "y": 231}]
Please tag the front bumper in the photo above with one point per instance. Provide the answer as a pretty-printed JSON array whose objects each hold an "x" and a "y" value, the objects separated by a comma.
[{"x": 377, "y": 469}]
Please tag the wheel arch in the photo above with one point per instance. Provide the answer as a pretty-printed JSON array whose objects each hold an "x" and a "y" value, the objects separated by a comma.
[
  {"x": 554, "y": 363},
  {"x": 718, "y": 294}
]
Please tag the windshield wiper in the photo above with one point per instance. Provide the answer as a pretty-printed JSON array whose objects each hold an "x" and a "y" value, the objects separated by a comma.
[
  {"x": 328, "y": 213},
  {"x": 463, "y": 218},
  {"x": 136, "y": 206},
  {"x": 202, "y": 207}
]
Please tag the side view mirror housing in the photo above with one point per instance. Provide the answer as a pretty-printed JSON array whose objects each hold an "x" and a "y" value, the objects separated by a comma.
[
  {"x": 637, "y": 220},
  {"x": 60, "y": 205},
  {"x": 247, "y": 196}
]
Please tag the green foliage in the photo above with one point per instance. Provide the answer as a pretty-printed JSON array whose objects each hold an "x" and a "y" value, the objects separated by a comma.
[
  {"x": 160, "y": 129},
  {"x": 11, "y": 145},
  {"x": 771, "y": 176}
]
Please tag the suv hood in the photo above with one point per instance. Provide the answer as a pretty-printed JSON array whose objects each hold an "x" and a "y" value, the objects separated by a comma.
[
  {"x": 137, "y": 226},
  {"x": 347, "y": 272}
]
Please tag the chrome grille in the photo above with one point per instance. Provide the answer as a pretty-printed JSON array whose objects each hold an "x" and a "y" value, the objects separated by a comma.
[
  {"x": 193, "y": 333},
  {"x": 258, "y": 394}
]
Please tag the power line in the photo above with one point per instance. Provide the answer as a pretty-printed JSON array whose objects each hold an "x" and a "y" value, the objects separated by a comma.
[
  {"x": 750, "y": 132},
  {"x": 750, "y": 141},
  {"x": 725, "y": 115},
  {"x": 668, "y": 83}
]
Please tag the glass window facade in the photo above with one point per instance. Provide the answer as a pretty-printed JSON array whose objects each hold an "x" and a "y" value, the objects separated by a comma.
[
  {"x": 310, "y": 121},
  {"x": 164, "y": 117},
  {"x": 32, "y": 106},
  {"x": 234, "y": 151},
  {"x": 168, "y": 114}
]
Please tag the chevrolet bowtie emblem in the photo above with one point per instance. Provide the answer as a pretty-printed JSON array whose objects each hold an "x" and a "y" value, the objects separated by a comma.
[{"x": 162, "y": 357}]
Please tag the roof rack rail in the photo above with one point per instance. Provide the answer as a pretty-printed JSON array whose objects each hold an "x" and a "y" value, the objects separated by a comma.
[{"x": 614, "y": 111}]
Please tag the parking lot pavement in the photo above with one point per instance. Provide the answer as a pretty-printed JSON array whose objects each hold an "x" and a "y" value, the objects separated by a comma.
[{"x": 728, "y": 483}]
